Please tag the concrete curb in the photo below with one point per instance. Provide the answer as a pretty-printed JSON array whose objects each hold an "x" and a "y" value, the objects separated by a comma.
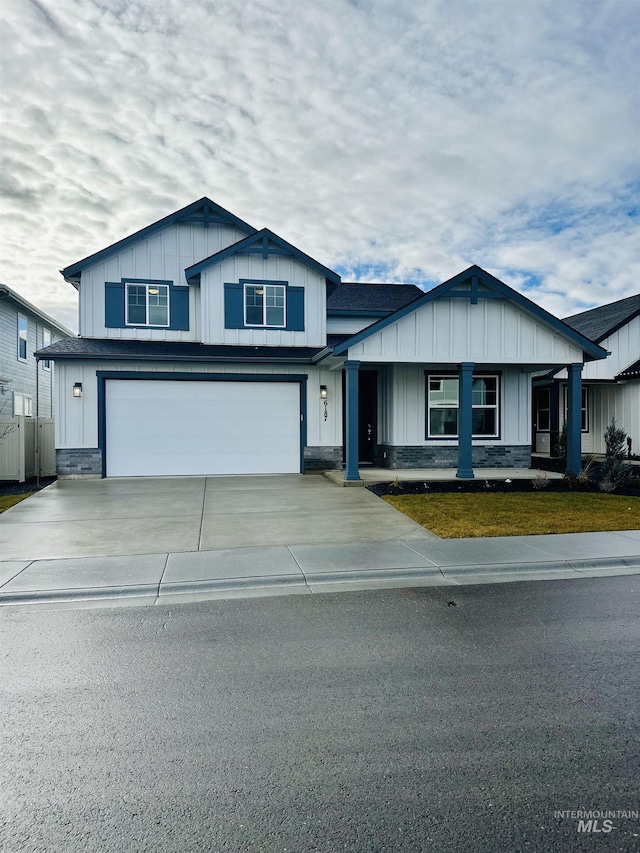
[{"x": 319, "y": 582}]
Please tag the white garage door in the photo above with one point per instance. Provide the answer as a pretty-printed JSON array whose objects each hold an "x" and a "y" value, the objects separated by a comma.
[{"x": 165, "y": 427}]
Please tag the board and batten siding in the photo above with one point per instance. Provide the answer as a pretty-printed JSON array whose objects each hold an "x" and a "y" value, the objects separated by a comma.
[
  {"x": 77, "y": 418},
  {"x": 624, "y": 346},
  {"x": 348, "y": 325},
  {"x": 163, "y": 256},
  {"x": 454, "y": 330},
  {"x": 620, "y": 400},
  {"x": 275, "y": 268},
  {"x": 402, "y": 406}
]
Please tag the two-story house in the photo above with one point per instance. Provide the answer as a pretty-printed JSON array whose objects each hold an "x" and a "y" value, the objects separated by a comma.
[
  {"x": 26, "y": 387},
  {"x": 209, "y": 347}
]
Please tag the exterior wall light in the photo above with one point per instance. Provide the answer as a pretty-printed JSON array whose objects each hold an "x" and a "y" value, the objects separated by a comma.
[
  {"x": 323, "y": 392},
  {"x": 77, "y": 389}
]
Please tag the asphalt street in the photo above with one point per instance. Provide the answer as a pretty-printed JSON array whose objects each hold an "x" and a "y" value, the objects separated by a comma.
[{"x": 433, "y": 719}]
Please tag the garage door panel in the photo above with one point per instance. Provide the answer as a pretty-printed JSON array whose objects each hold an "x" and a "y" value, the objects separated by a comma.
[{"x": 173, "y": 427}]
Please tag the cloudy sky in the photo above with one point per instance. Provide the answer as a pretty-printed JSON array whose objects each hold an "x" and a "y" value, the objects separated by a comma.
[{"x": 393, "y": 140}]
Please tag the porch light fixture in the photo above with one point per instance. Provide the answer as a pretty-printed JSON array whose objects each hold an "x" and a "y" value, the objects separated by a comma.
[
  {"x": 77, "y": 389},
  {"x": 323, "y": 392}
]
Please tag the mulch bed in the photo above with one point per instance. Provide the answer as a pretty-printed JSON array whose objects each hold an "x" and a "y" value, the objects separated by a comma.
[
  {"x": 10, "y": 487},
  {"x": 481, "y": 485}
]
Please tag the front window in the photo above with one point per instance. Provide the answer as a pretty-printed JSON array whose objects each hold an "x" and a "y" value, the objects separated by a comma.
[
  {"x": 22, "y": 337},
  {"x": 264, "y": 304},
  {"x": 584, "y": 408},
  {"x": 46, "y": 341},
  {"x": 543, "y": 409},
  {"x": 22, "y": 405},
  {"x": 443, "y": 404},
  {"x": 147, "y": 305}
]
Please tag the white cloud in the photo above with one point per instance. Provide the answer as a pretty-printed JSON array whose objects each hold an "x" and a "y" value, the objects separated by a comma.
[{"x": 401, "y": 139}]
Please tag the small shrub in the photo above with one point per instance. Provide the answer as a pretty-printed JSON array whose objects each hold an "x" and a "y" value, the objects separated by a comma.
[
  {"x": 589, "y": 469},
  {"x": 540, "y": 481},
  {"x": 615, "y": 472}
]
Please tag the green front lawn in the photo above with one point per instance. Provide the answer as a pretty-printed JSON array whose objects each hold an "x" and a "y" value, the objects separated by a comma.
[
  {"x": 455, "y": 516},
  {"x": 7, "y": 501}
]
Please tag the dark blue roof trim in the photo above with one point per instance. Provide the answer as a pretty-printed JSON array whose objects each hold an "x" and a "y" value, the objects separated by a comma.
[
  {"x": 204, "y": 211},
  {"x": 589, "y": 348},
  {"x": 265, "y": 242}
]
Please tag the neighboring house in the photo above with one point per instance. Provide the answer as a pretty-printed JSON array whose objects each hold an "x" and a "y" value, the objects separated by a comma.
[
  {"x": 611, "y": 388},
  {"x": 208, "y": 347},
  {"x": 26, "y": 388}
]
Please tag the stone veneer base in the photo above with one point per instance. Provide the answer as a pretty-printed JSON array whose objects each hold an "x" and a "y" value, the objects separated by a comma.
[
  {"x": 79, "y": 462},
  {"x": 322, "y": 459},
  {"x": 496, "y": 456}
]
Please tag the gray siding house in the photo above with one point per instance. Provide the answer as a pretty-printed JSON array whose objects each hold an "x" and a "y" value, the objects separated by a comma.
[{"x": 26, "y": 387}]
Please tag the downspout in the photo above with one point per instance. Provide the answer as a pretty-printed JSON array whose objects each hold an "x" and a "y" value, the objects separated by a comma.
[{"x": 36, "y": 449}]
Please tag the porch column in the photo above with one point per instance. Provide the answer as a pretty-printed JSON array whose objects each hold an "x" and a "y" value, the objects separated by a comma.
[
  {"x": 351, "y": 420},
  {"x": 574, "y": 419},
  {"x": 465, "y": 421}
]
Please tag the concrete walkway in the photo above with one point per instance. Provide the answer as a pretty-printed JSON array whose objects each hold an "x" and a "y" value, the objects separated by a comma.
[
  {"x": 150, "y": 541},
  {"x": 163, "y": 578}
]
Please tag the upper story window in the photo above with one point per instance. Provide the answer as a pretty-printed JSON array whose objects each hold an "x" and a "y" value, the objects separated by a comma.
[
  {"x": 46, "y": 342},
  {"x": 264, "y": 304},
  {"x": 22, "y": 337},
  {"x": 147, "y": 304},
  {"x": 443, "y": 404}
]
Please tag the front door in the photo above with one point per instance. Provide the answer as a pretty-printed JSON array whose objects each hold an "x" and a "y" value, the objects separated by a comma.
[{"x": 367, "y": 416}]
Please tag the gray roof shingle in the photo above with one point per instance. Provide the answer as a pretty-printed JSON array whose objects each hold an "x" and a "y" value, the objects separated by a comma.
[
  {"x": 361, "y": 296},
  {"x": 171, "y": 351},
  {"x": 599, "y": 323}
]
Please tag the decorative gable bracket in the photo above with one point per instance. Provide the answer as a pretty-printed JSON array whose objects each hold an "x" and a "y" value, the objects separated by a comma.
[{"x": 474, "y": 294}]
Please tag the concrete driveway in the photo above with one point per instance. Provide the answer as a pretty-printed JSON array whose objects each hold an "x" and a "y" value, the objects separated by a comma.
[{"x": 94, "y": 518}]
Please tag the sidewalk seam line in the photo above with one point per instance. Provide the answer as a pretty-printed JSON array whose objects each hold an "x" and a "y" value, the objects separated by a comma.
[
  {"x": 204, "y": 501},
  {"x": 164, "y": 569},
  {"x": 30, "y": 563},
  {"x": 306, "y": 582}
]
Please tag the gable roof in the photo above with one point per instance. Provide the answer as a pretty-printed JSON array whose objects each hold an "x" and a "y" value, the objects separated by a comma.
[
  {"x": 496, "y": 289},
  {"x": 631, "y": 372},
  {"x": 8, "y": 292},
  {"x": 599, "y": 323},
  {"x": 263, "y": 242},
  {"x": 204, "y": 210},
  {"x": 363, "y": 298}
]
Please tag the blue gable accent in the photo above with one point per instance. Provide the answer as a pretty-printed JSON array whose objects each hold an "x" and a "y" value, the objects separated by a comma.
[
  {"x": 114, "y": 305},
  {"x": 265, "y": 242},
  {"x": 233, "y": 307},
  {"x": 591, "y": 350},
  {"x": 203, "y": 211}
]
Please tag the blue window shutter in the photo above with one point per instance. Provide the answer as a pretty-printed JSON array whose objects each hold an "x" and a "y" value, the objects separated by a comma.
[
  {"x": 295, "y": 309},
  {"x": 179, "y": 307},
  {"x": 233, "y": 307},
  {"x": 114, "y": 304}
]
